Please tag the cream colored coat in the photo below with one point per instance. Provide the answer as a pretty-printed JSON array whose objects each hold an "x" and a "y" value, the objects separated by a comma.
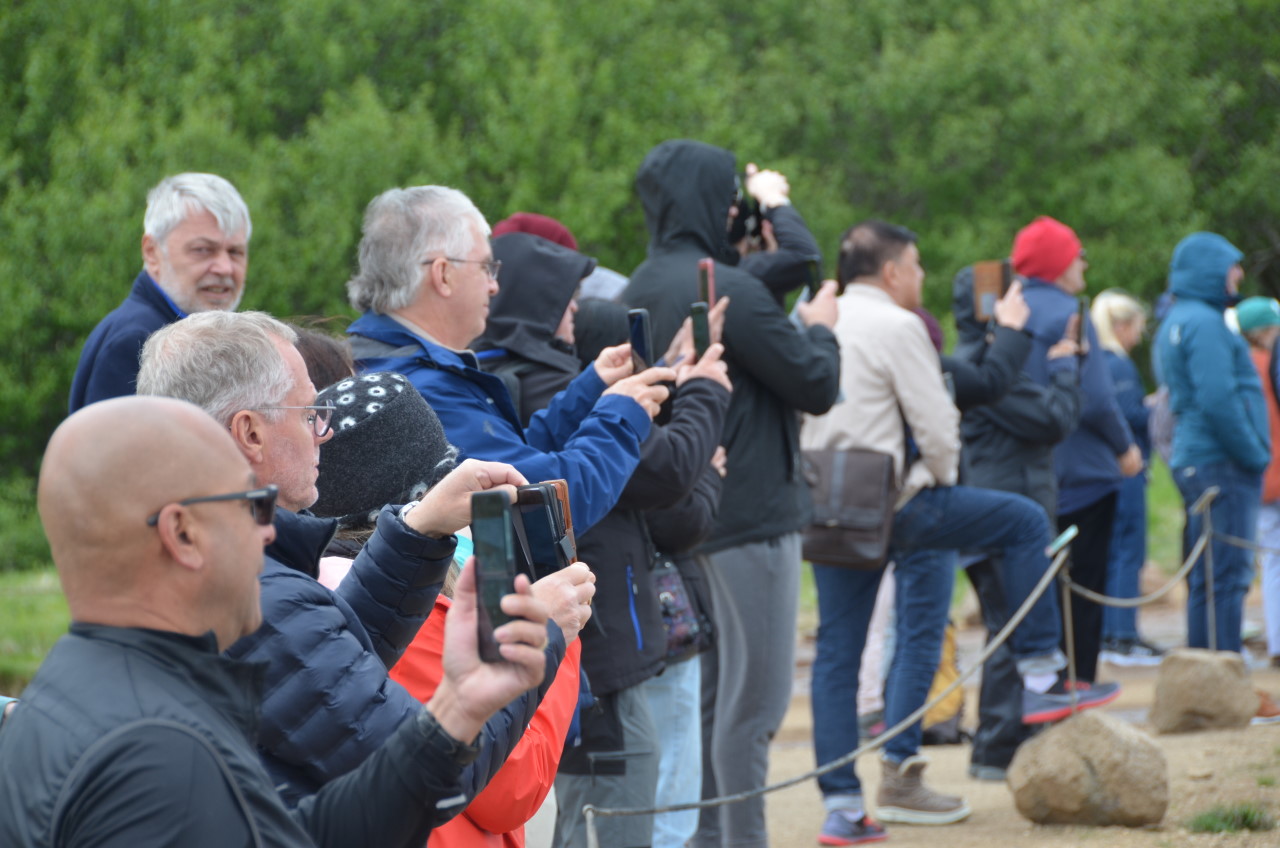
[{"x": 887, "y": 364}]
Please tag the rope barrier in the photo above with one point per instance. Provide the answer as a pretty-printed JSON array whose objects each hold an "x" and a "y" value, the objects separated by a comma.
[
  {"x": 590, "y": 811},
  {"x": 1201, "y": 548}
]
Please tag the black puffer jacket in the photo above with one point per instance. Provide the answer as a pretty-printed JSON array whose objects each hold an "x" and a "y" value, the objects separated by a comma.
[
  {"x": 539, "y": 278},
  {"x": 1008, "y": 445},
  {"x": 777, "y": 371}
]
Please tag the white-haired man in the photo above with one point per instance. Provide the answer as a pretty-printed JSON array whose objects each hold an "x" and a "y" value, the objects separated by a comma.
[
  {"x": 328, "y": 702},
  {"x": 195, "y": 251},
  {"x": 425, "y": 280}
]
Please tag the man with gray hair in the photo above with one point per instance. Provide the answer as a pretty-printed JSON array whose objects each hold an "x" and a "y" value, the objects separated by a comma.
[
  {"x": 426, "y": 276},
  {"x": 328, "y": 702},
  {"x": 195, "y": 251}
]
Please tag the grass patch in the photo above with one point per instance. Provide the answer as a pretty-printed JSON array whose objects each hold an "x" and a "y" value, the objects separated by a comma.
[
  {"x": 1232, "y": 819},
  {"x": 1266, "y": 780},
  {"x": 33, "y": 614},
  {"x": 1164, "y": 518}
]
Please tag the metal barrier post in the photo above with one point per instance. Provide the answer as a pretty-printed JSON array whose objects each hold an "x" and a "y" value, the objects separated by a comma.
[{"x": 1069, "y": 636}]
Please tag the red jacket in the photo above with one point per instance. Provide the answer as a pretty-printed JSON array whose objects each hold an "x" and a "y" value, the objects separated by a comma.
[
  {"x": 1270, "y": 477},
  {"x": 495, "y": 818}
]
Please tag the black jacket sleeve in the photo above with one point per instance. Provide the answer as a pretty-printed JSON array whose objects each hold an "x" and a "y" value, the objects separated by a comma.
[
  {"x": 786, "y": 268},
  {"x": 674, "y": 455},
  {"x": 990, "y": 378},
  {"x": 802, "y": 368},
  {"x": 689, "y": 523},
  {"x": 1041, "y": 415}
]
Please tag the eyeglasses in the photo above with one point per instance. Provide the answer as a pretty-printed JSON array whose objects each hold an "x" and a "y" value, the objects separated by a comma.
[
  {"x": 318, "y": 419},
  {"x": 262, "y": 503},
  {"x": 491, "y": 266}
]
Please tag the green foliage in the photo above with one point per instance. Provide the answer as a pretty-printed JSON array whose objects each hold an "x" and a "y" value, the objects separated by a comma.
[
  {"x": 1136, "y": 122},
  {"x": 1231, "y": 819},
  {"x": 22, "y": 543},
  {"x": 33, "y": 614}
]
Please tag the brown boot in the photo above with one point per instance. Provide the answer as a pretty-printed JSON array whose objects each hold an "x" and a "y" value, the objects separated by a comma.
[{"x": 904, "y": 798}]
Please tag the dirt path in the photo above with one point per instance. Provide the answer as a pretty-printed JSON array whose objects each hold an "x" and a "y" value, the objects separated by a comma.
[{"x": 1205, "y": 769}]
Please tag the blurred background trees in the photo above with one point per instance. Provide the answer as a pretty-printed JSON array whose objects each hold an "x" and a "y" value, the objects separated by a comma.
[{"x": 1136, "y": 121}]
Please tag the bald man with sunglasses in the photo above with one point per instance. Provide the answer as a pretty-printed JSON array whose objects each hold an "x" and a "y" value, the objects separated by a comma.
[{"x": 136, "y": 730}]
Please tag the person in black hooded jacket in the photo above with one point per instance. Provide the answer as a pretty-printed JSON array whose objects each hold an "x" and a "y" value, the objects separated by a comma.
[
  {"x": 1008, "y": 445},
  {"x": 528, "y": 337},
  {"x": 753, "y": 556}
]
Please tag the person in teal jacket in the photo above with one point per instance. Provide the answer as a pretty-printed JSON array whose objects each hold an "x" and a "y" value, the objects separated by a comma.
[{"x": 1220, "y": 437}]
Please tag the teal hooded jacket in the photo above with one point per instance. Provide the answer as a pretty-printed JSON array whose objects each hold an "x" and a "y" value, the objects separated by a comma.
[{"x": 1215, "y": 392}]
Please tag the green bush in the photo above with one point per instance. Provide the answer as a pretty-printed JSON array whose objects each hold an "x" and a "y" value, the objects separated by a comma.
[
  {"x": 22, "y": 542},
  {"x": 1135, "y": 122}
]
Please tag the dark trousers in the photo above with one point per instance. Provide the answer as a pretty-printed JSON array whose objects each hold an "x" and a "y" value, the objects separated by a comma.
[
  {"x": 1088, "y": 565},
  {"x": 1000, "y": 729}
]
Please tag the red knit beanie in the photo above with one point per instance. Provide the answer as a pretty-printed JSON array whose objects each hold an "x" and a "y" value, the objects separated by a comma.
[
  {"x": 537, "y": 225},
  {"x": 1044, "y": 249}
]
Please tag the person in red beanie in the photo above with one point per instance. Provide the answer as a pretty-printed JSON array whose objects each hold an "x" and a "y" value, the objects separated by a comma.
[
  {"x": 536, "y": 225},
  {"x": 1093, "y": 460}
]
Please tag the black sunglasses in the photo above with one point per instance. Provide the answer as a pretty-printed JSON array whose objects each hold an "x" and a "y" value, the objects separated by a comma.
[{"x": 262, "y": 503}]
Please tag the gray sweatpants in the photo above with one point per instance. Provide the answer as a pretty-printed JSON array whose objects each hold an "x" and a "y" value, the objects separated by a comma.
[{"x": 746, "y": 681}]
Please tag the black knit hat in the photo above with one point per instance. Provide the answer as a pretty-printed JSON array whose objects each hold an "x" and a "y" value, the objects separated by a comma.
[{"x": 388, "y": 446}]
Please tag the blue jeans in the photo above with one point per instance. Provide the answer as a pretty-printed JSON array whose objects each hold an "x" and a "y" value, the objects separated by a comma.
[
  {"x": 926, "y": 533},
  {"x": 1127, "y": 555},
  {"x": 675, "y": 703},
  {"x": 1234, "y": 512}
]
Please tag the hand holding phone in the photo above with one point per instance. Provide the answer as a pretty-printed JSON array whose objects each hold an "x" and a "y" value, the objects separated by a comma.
[{"x": 989, "y": 285}]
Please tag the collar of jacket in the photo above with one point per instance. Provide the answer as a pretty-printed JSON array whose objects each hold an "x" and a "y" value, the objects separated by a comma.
[
  {"x": 301, "y": 539},
  {"x": 148, "y": 290},
  {"x": 225, "y": 683}
]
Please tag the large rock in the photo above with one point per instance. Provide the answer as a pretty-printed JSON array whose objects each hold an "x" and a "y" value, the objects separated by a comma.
[
  {"x": 1091, "y": 769},
  {"x": 1199, "y": 689}
]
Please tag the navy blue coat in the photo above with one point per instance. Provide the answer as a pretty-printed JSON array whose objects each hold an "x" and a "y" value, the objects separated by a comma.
[
  {"x": 1085, "y": 462},
  {"x": 328, "y": 703},
  {"x": 593, "y": 442},
  {"x": 108, "y": 364}
]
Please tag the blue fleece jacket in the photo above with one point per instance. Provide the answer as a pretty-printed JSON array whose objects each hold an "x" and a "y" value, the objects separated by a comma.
[
  {"x": 593, "y": 442},
  {"x": 1085, "y": 462},
  {"x": 1214, "y": 391}
]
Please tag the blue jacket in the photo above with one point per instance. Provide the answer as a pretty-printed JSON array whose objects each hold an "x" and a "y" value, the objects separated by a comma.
[
  {"x": 593, "y": 442},
  {"x": 328, "y": 703},
  {"x": 1085, "y": 462},
  {"x": 1130, "y": 395},
  {"x": 108, "y": 364},
  {"x": 1214, "y": 390}
]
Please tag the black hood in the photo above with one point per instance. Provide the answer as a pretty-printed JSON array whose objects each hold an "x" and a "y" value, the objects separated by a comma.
[
  {"x": 539, "y": 278},
  {"x": 687, "y": 188}
]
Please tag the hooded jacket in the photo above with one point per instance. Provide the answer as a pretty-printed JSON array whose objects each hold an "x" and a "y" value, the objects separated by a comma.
[
  {"x": 1214, "y": 391},
  {"x": 1008, "y": 445},
  {"x": 539, "y": 278},
  {"x": 686, "y": 188}
]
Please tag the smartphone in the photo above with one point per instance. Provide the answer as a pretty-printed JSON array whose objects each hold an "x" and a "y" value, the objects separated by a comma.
[
  {"x": 561, "y": 488},
  {"x": 641, "y": 338},
  {"x": 701, "y": 329},
  {"x": 707, "y": 281},
  {"x": 1082, "y": 315},
  {"x": 815, "y": 278},
  {"x": 495, "y": 566},
  {"x": 989, "y": 285},
  {"x": 537, "y": 510}
]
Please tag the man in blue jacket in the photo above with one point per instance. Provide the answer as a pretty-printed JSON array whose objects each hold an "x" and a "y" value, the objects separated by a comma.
[
  {"x": 426, "y": 276},
  {"x": 195, "y": 252},
  {"x": 328, "y": 701},
  {"x": 1091, "y": 462},
  {"x": 1220, "y": 437}
]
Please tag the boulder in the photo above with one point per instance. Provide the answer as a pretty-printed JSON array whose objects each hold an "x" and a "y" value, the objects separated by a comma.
[
  {"x": 1200, "y": 689},
  {"x": 1091, "y": 769}
]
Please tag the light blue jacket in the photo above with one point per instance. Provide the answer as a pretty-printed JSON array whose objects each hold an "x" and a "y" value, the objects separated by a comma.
[{"x": 1214, "y": 391}]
